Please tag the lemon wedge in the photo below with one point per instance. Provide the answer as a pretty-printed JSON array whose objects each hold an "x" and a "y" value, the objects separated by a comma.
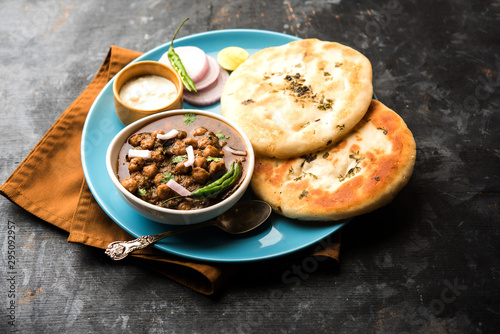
[{"x": 232, "y": 57}]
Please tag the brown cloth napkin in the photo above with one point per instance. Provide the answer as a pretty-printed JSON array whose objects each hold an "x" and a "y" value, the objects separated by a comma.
[{"x": 50, "y": 184}]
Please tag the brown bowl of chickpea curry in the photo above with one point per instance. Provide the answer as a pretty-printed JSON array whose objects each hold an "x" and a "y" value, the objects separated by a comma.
[{"x": 181, "y": 167}]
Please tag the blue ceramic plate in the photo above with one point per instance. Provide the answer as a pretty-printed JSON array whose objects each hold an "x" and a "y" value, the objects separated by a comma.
[{"x": 276, "y": 237}]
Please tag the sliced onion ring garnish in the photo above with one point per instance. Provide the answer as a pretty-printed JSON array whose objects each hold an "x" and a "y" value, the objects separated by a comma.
[
  {"x": 145, "y": 154},
  {"x": 235, "y": 152},
  {"x": 169, "y": 135},
  {"x": 190, "y": 154},
  {"x": 178, "y": 188}
]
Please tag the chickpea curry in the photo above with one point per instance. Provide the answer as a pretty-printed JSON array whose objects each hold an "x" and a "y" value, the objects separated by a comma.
[{"x": 183, "y": 162}]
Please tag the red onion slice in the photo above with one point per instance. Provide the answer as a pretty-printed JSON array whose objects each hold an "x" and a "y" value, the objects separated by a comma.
[
  {"x": 233, "y": 151},
  {"x": 212, "y": 74},
  {"x": 194, "y": 59},
  {"x": 169, "y": 135},
  {"x": 145, "y": 154},
  {"x": 178, "y": 188},
  {"x": 190, "y": 154},
  {"x": 209, "y": 95}
]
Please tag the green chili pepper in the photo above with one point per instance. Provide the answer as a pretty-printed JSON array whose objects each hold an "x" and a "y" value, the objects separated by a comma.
[
  {"x": 215, "y": 188},
  {"x": 224, "y": 182},
  {"x": 222, "y": 178},
  {"x": 176, "y": 62}
]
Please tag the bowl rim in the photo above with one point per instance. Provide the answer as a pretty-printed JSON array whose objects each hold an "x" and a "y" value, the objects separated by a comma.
[
  {"x": 123, "y": 71},
  {"x": 135, "y": 126}
]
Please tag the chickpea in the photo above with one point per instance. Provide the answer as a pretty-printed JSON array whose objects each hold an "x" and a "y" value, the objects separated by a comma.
[
  {"x": 147, "y": 144},
  {"x": 204, "y": 142},
  {"x": 135, "y": 165},
  {"x": 139, "y": 178},
  {"x": 191, "y": 142},
  {"x": 180, "y": 168},
  {"x": 200, "y": 175},
  {"x": 158, "y": 179},
  {"x": 179, "y": 148},
  {"x": 181, "y": 135},
  {"x": 200, "y": 161},
  {"x": 213, "y": 137},
  {"x": 209, "y": 139},
  {"x": 216, "y": 168},
  {"x": 156, "y": 132},
  {"x": 150, "y": 171},
  {"x": 163, "y": 192},
  {"x": 130, "y": 184},
  {"x": 135, "y": 140},
  {"x": 185, "y": 205},
  {"x": 210, "y": 151},
  {"x": 157, "y": 155},
  {"x": 199, "y": 131}
]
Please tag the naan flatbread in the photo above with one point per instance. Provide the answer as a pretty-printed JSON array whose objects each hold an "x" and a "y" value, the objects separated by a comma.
[
  {"x": 361, "y": 173},
  {"x": 298, "y": 98}
]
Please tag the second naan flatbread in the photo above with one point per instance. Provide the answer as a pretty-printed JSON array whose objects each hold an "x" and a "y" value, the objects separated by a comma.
[
  {"x": 361, "y": 173},
  {"x": 300, "y": 97}
]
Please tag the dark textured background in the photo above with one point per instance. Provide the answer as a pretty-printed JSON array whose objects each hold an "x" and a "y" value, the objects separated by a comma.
[{"x": 428, "y": 262}]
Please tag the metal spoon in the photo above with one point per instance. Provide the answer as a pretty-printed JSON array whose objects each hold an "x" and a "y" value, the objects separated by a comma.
[{"x": 241, "y": 218}]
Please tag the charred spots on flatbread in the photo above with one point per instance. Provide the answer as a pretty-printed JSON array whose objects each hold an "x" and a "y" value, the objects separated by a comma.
[
  {"x": 295, "y": 84},
  {"x": 308, "y": 158},
  {"x": 247, "y": 101},
  {"x": 301, "y": 176},
  {"x": 303, "y": 194},
  {"x": 383, "y": 129}
]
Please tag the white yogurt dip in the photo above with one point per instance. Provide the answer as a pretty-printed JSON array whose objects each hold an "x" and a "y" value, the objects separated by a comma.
[{"x": 148, "y": 92}]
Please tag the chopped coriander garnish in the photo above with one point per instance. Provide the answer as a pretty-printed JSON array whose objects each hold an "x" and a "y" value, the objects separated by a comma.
[
  {"x": 358, "y": 157},
  {"x": 214, "y": 159},
  {"x": 189, "y": 118},
  {"x": 221, "y": 136},
  {"x": 179, "y": 158},
  {"x": 141, "y": 192},
  {"x": 167, "y": 177}
]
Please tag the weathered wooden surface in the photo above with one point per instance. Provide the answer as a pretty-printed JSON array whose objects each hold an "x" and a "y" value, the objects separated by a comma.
[{"x": 427, "y": 262}]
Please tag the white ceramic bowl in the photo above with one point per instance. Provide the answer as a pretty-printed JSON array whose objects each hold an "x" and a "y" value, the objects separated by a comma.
[{"x": 172, "y": 216}]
